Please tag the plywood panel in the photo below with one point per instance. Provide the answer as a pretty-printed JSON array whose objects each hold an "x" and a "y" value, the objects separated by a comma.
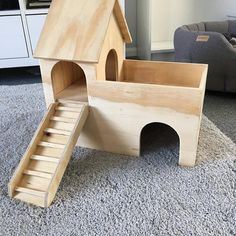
[
  {"x": 75, "y": 92},
  {"x": 163, "y": 73},
  {"x": 117, "y": 46},
  {"x": 34, "y": 182},
  {"x": 38, "y": 201},
  {"x": 75, "y": 30},
  {"x": 42, "y": 166}
]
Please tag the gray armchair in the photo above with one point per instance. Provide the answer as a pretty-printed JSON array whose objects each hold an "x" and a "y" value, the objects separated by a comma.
[{"x": 216, "y": 51}]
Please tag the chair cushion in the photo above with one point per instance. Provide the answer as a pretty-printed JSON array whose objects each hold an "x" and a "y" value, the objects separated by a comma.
[
  {"x": 196, "y": 27},
  {"x": 217, "y": 26}
]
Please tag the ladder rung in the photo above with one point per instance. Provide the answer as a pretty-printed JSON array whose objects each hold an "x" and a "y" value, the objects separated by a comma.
[
  {"x": 31, "y": 191},
  {"x": 71, "y": 109},
  {"x": 57, "y": 131},
  {"x": 51, "y": 145},
  {"x": 63, "y": 119},
  {"x": 72, "y": 105},
  {"x": 44, "y": 158},
  {"x": 72, "y": 102},
  {"x": 38, "y": 174}
]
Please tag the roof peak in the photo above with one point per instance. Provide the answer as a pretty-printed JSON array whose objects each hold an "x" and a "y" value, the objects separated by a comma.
[{"x": 75, "y": 30}]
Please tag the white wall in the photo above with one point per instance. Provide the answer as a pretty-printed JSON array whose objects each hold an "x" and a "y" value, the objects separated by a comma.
[
  {"x": 167, "y": 15},
  {"x": 216, "y": 9},
  {"x": 122, "y": 2}
]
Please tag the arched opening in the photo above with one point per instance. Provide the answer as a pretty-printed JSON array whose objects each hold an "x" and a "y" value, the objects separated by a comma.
[
  {"x": 112, "y": 66},
  {"x": 69, "y": 82},
  {"x": 159, "y": 142}
]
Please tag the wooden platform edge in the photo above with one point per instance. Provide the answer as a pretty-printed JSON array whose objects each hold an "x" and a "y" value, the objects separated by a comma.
[
  {"x": 30, "y": 150},
  {"x": 57, "y": 177}
]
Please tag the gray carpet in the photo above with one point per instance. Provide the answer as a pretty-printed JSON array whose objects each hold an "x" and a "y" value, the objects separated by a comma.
[
  {"x": 106, "y": 194},
  {"x": 220, "y": 108}
]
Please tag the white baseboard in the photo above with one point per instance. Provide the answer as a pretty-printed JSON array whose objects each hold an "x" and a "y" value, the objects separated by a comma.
[
  {"x": 131, "y": 52},
  {"x": 18, "y": 62}
]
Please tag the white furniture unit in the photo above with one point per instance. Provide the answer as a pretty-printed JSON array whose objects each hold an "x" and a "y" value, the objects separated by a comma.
[
  {"x": 12, "y": 35},
  {"x": 152, "y": 34},
  {"x": 19, "y": 33},
  {"x": 32, "y": 21}
]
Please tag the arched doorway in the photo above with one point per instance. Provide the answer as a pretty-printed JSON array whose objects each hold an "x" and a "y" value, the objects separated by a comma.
[
  {"x": 69, "y": 82},
  {"x": 158, "y": 139},
  {"x": 112, "y": 66}
]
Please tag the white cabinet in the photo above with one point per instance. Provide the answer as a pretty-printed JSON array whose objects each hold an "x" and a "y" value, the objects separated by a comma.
[
  {"x": 19, "y": 33},
  {"x": 12, "y": 39},
  {"x": 35, "y": 24}
]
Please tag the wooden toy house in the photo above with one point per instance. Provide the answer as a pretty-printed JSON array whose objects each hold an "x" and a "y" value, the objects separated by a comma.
[{"x": 99, "y": 100}]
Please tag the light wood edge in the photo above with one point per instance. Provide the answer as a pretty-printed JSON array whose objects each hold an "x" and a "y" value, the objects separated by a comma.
[
  {"x": 122, "y": 22},
  {"x": 30, "y": 150},
  {"x": 202, "y": 88},
  {"x": 168, "y": 62},
  {"x": 143, "y": 85},
  {"x": 57, "y": 176},
  {"x": 123, "y": 26},
  {"x": 204, "y": 78},
  {"x": 40, "y": 36}
]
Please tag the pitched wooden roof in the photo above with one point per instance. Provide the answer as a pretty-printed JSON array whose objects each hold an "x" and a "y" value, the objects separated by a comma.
[{"x": 75, "y": 29}]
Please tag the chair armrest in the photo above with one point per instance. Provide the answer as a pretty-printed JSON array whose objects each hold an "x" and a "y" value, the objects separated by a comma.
[{"x": 183, "y": 40}]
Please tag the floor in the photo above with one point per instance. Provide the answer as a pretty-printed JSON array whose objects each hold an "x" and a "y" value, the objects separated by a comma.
[
  {"x": 107, "y": 194},
  {"x": 220, "y": 108}
]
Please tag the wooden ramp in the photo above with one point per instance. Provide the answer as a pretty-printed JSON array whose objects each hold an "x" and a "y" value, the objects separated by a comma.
[{"x": 40, "y": 171}]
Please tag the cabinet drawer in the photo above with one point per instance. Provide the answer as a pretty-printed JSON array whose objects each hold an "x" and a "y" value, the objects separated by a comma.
[
  {"x": 35, "y": 24},
  {"x": 12, "y": 39}
]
